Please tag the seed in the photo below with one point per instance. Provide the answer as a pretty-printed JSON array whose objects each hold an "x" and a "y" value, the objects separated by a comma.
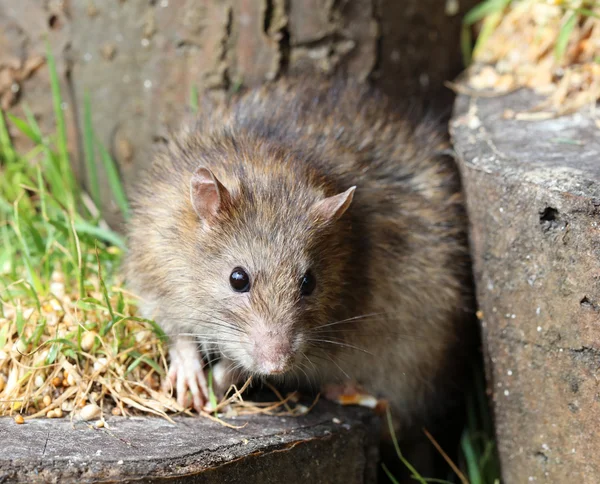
[
  {"x": 70, "y": 379},
  {"x": 56, "y": 381},
  {"x": 67, "y": 405},
  {"x": 90, "y": 412},
  {"x": 20, "y": 346},
  {"x": 47, "y": 400},
  {"x": 116, "y": 411},
  {"x": 17, "y": 406},
  {"x": 58, "y": 413},
  {"x": 50, "y": 414},
  {"x": 57, "y": 276},
  {"x": 65, "y": 383},
  {"x": 99, "y": 424},
  {"x": 39, "y": 381},
  {"x": 57, "y": 289},
  {"x": 19, "y": 419},
  {"x": 100, "y": 365},
  {"x": 87, "y": 342}
]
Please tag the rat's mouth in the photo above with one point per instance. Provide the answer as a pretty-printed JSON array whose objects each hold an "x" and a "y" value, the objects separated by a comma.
[{"x": 276, "y": 364}]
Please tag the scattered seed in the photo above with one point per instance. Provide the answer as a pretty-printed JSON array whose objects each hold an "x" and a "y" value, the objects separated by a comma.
[
  {"x": 58, "y": 289},
  {"x": 39, "y": 381},
  {"x": 116, "y": 411},
  {"x": 20, "y": 346},
  {"x": 90, "y": 412},
  {"x": 57, "y": 382},
  {"x": 100, "y": 365},
  {"x": 47, "y": 400},
  {"x": 70, "y": 380},
  {"x": 19, "y": 419},
  {"x": 87, "y": 341}
]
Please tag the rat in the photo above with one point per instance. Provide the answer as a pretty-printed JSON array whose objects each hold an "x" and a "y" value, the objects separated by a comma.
[{"x": 312, "y": 233}]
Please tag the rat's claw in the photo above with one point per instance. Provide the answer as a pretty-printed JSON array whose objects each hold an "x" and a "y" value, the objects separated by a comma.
[{"x": 186, "y": 373}]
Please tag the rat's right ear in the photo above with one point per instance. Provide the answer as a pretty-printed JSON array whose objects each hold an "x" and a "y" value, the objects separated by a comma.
[{"x": 207, "y": 194}]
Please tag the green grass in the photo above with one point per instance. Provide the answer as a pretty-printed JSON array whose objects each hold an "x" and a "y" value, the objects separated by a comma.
[
  {"x": 478, "y": 459},
  {"x": 53, "y": 238}
]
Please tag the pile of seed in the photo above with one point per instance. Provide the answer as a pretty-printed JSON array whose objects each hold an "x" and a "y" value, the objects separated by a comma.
[
  {"x": 551, "y": 46},
  {"x": 76, "y": 369}
]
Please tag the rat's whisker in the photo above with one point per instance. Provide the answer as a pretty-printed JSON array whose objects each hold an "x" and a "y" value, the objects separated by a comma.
[
  {"x": 339, "y": 343},
  {"x": 349, "y": 320}
]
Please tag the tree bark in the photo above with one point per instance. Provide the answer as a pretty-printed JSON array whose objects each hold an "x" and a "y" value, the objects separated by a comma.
[{"x": 139, "y": 59}]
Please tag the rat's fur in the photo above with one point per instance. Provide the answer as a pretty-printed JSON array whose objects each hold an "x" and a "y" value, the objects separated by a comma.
[{"x": 392, "y": 273}]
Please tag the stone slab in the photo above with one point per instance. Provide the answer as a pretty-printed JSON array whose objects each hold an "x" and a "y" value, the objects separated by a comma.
[
  {"x": 533, "y": 196},
  {"x": 313, "y": 448}
]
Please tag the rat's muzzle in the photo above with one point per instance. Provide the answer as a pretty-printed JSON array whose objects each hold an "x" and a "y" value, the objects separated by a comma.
[{"x": 271, "y": 352}]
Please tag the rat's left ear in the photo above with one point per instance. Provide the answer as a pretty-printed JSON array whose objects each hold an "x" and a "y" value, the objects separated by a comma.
[
  {"x": 207, "y": 194},
  {"x": 332, "y": 208}
]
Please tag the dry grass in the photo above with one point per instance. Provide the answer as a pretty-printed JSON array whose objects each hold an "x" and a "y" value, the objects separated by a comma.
[{"x": 550, "y": 46}]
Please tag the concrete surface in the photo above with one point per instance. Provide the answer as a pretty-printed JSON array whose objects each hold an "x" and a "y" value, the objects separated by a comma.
[{"x": 533, "y": 195}]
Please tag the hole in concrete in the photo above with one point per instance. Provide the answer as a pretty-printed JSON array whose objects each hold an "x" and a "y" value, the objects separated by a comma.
[
  {"x": 585, "y": 302},
  {"x": 549, "y": 219},
  {"x": 549, "y": 215},
  {"x": 543, "y": 458},
  {"x": 573, "y": 407},
  {"x": 53, "y": 22}
]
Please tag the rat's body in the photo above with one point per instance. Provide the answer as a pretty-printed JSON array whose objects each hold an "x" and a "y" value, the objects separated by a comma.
[{"x": 263, "y": 185}]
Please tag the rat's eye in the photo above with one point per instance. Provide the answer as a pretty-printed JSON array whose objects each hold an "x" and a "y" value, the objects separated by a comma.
[
  {"x": 307, "y": 284},
  {"x": 239, "y": 280}
]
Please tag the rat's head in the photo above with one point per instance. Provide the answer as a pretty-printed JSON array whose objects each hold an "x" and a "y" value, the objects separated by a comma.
[{"x": 271, "y": 256}]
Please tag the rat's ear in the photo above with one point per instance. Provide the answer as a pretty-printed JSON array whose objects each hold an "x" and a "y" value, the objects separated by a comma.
[
  {"x": 332, "y": 208},
  {"x": 207, "y": 194}
]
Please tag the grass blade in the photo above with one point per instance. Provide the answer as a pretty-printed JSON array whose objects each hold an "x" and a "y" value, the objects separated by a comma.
[
  {"x": 194, "y": 104},
  {"x": 90, "y": 151},
  {"x": 114, "y": 180},
  {"x": 6, "y": 148},
  {"x": 414, "y": 473},
  {"x": 563, "y": 36},
  {"x": 63, "y": 153}
]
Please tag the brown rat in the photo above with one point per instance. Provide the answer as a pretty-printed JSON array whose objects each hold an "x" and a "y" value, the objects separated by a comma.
[{"x": 313, "y": 233}]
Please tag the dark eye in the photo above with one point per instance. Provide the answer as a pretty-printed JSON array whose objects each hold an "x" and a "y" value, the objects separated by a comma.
[
  {"x": 307, "y": 284},
  {"x": 239, "y": 280}
]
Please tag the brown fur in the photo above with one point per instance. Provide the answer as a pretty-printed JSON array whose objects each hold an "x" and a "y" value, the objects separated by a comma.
[{"x": 398, "y": 255}]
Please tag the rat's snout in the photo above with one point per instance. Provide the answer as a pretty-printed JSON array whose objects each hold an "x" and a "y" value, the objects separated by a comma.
[{"x": 271, "y": 350}]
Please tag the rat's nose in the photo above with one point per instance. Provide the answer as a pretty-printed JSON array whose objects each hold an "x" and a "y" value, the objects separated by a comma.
[{"x": 272, "y": 352}]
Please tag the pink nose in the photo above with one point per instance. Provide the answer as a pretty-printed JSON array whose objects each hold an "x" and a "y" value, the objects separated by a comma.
[{"x": 272, "y": 354}]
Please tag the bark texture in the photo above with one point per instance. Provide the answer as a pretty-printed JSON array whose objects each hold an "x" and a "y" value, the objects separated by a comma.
[
  {"x": 139, "y": 59},
  {"x": 533, "y": 196},
  {"x": 330, "y": 444}
]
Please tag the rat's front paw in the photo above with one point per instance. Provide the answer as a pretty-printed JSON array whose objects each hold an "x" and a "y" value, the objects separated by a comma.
[
  {"x": 186, "y": 373},
  {"x": 224, "y": 377}
]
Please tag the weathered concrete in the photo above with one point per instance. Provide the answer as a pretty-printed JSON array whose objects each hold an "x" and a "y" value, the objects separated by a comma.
[
  {"x": 533, "y": 195},
  {"x": 313, "y": 449}
]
